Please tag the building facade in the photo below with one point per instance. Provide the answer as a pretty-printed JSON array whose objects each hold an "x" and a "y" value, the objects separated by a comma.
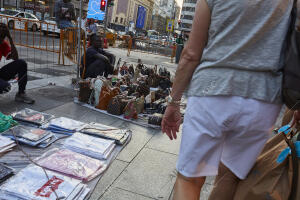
[
  {"x": 131, "y": 14},
  {"x": 163, "y": 11},
  {"x": 187, "y": 15}
]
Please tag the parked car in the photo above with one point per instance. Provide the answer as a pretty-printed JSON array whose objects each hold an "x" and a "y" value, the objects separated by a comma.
[
  {"x": 17, "y": 19},
  {"x": 153, "y": 39},
  {"x": 49, "y": 26}
]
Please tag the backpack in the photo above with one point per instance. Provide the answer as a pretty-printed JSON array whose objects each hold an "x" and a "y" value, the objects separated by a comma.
[{"x": 291, "y": 70}]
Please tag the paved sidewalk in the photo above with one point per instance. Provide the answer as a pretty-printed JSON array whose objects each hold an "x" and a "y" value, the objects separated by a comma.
[{"x": 144, "y": 170}]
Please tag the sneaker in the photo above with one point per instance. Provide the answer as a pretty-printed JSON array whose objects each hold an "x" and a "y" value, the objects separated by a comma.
[{"x": 24, "y": 98}]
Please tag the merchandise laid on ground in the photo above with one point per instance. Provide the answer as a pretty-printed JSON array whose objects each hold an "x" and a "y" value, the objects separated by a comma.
[
  {"x": 137, "y": 95},
  {"x": 55, "y": 157}
]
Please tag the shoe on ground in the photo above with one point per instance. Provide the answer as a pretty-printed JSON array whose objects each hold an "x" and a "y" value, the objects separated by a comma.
[{"x": 24, "y": 98}]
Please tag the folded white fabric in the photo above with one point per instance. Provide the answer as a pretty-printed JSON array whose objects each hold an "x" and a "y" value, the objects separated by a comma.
[
  {"x": 32, "y": 183},
  {"x": 6, "y": 144},
  {"x": 94, "y": 147}
]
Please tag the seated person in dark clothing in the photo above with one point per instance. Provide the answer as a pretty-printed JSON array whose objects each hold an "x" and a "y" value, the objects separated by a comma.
[
  {"x": 16, "y": 67},
  {"x": 97, "y": 62}
]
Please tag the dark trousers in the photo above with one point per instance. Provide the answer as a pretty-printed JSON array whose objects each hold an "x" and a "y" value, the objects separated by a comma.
[{"x": 17, "y": 67}]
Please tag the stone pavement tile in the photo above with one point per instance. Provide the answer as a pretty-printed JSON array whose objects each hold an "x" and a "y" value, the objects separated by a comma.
[
  {"x": 161, "y": 142},
  {"x": 206, "y": 189},
  {"x": 63, "y": 81},
  {"x": 56, "y": 93},
  {"x": 140, "y": 137},
  {"x": 151, "y": 173},
  {"x": 70, "y": 110},
  {"x": 8, "y": 105},
  {"x": 114, "y": 170},
  {"x": 119, "y": 194}
]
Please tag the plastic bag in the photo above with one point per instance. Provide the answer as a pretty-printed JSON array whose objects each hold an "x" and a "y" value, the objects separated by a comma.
[{"x": 6, "y": 122}]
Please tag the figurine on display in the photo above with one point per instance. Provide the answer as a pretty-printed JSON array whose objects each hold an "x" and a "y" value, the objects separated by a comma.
[{"x": 64, "y": 13}]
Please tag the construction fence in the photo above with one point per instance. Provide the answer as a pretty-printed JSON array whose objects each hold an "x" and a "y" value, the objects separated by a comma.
[{"x": 48, "y": 50}]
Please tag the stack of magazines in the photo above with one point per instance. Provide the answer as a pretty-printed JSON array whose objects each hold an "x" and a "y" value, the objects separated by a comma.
[
  {"x": 98, "y": 148},
  {"x": 5, "y": 172},
  {"x": 72, "y": 164},
  {"x": 6, "y": 144},
  {"x": 32, "y": 183},
  {"x": 30, "y": 135},
  {"x": 64, "y": 125},
  {"x": 32, "y": 117},
  {"x": 109, "y": 132}
]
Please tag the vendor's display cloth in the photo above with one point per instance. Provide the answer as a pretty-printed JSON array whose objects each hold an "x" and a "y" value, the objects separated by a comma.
[
  {"x": 109, "y": 132},
  {"x": 6, "y": 144},
  {"x": 64, "y": 125},
  {"x": 6, "y": 122},
  {"x": 72, "y": 164},
  {"x": 31, "y": 183},
  {"x": 90, "y": 146},
  {"x": 32, "y": 117},
  {"x": 29, "y": 135}
]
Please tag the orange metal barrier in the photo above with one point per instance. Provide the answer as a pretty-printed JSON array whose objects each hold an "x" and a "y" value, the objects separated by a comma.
[
  {"x": 69, "y": 44},
  {"x": 42, "y": 36}
]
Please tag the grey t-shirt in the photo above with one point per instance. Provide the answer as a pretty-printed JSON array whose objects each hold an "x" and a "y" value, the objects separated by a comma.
[{"x": 243, "y": 54}]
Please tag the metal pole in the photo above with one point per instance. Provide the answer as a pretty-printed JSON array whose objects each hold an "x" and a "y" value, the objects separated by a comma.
[
  {"x": 79, "y": 38},
  {"x": 105, "y": 17}
]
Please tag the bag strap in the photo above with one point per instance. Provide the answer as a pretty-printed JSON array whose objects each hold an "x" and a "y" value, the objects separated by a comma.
[{"x": 295, "y": 167}]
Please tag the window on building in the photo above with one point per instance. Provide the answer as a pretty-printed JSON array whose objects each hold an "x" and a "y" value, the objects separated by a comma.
[
  {"x": 121, "y": 20},
  {"x": 116, "y": 20}
]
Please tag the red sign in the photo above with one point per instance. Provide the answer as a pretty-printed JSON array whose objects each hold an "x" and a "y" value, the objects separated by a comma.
[{"x": 47, "y": 189}]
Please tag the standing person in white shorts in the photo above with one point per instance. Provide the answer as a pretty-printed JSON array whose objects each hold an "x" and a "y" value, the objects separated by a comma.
[{"x": 230, "y": 70}]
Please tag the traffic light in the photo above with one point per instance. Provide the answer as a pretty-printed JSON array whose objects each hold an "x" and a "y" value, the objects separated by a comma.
[{"x": 102, "y": 5}]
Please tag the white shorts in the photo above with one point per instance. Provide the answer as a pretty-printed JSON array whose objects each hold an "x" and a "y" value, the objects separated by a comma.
[{"x": 229, "y": 129}]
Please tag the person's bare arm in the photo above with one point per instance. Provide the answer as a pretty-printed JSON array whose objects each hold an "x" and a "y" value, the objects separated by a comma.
[
  {"x": 13, "y": 52},
  {"x": 192, "y": 52},
  {"x": 190, "y": 59}
]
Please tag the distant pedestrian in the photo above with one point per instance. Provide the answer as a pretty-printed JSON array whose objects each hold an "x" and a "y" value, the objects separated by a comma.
[
  {"x": 179, "y": 47},
  {"x": 92, "y": 27},
  {"x": 231, "y": 71},
  {"x": 129, "y": 45},
  {"x": 173, "y": 52},
  {"x": 64, "y": 13}
]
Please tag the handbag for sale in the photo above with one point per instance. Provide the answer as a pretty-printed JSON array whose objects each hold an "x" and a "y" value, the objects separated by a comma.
[
  {"x": 131, "y": 70},
  {"x": 291, "y": 70},
  {"x": 155, "y": 119},
  {"x": 161, "y": 94},
  {"x": 153, "y": 80},
  {"x": 143, "y": 89},
  {"x": 165, "y": 83},
  {"x": 105, "y": 96},
  {"x": 130, "y": 111},
  {"x": 140, "y": 104},
  {"x": 162, "y": 108},
  {"x": 84, "y": 91},
  {"x": 275, "y": 174},
  {"x": 115, "y": 106},
  {"x": 132, "y": 89}
]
